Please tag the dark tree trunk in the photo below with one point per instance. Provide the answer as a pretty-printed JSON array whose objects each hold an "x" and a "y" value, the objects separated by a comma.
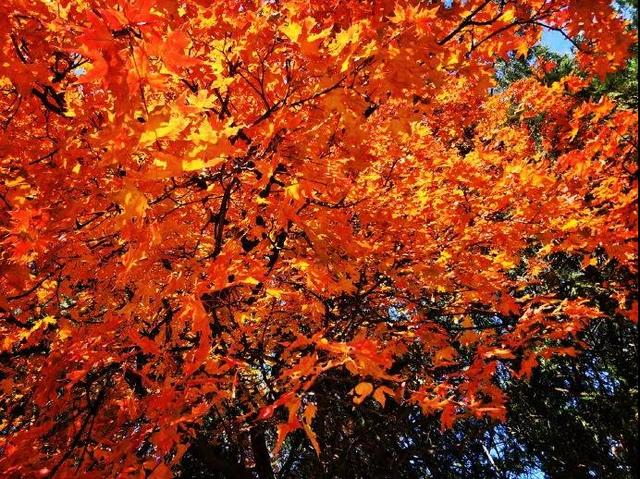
[
  {"x": 205, "y": 453},
  {"x": 261, "y": 454}
]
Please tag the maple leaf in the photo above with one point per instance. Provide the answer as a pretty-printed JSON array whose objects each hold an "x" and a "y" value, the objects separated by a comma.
[
  {"x": 214, "y": 214},
  {"x": 362, "y": 391},
  {"x": 173, "y": 54},
  {"x": 292, "y": 31}
]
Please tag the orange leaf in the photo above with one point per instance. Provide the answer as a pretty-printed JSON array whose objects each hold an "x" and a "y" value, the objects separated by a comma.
[{"x": 362, "y": 390}]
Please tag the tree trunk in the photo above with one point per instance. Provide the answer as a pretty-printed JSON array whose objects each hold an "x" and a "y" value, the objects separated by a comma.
[
  {"x": 261, "y": 454},
  {"x": 202, "y": 450}
]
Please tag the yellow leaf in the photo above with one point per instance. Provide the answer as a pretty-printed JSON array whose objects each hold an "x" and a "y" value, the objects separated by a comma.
[
  {"x": 202, "y": 100},
  {"x": 570, "y": 225},
  {"x": 191, "y": 165},
  {"x": 47, "y": 320},
  {"x": 293, "y": 191},
  {"x": 170, "y": 129},
  {"x": 276, "y": 293},
  {"x": 345, "y": 37},
  {"x": 504, "y": 261},
  {"x": 523, "y": 49},
  {"x": 160, "y": 163},
  {"x": 292, "y": 30},
  {"x": 399, "y": 14},
  {"x": 453, "y": 59},
  {"x": 46, "y": 290},
  {"x": 199, "y": 164},
  {"x": 444, "y": 257},
  {"x": 205, "y": 133},
  {"x": 300, "y": 264},
  {"x": 508, "y": 15}
]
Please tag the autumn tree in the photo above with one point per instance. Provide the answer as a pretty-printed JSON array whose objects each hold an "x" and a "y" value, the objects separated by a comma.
[{"x": 231, "y": 229}]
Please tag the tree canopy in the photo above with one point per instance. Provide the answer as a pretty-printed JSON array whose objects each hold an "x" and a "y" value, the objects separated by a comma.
[{"x": 316, "y": 239}]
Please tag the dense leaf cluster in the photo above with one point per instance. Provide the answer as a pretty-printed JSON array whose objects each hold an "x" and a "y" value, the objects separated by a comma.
[{"x": 337, "y": 239}]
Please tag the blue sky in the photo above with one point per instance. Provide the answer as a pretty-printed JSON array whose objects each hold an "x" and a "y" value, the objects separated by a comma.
[{"x": 555, "y": 42}]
